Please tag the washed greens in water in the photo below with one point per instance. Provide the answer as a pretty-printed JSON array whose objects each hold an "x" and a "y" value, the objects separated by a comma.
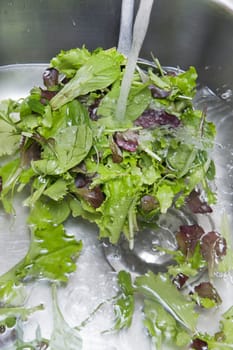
[{"x": 77, "y": 159}]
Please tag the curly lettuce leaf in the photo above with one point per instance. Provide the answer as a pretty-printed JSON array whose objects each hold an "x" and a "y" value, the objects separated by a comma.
[
  {"x": 69, "y": 61},
  {"x": 121, "y": 196}
]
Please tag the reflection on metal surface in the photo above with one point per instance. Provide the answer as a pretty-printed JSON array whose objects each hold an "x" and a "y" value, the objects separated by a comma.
[
  {"x": 227, "y": 3},
  {"x": 146, "y": 254},
  {"x": 221, "y": 114}
]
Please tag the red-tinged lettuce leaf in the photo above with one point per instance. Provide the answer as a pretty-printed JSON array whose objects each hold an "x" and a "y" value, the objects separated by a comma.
[
  {"x": 188, "y": 238},
  {"x": 213, "y": 246},
  {"x": 179, "y": 280},
  {"x": 161, "y": 289},
  {"x": 153, "y": 118},
  {"x": 206, "y": 295},
  {"x": 50, "y": 77},
  {"x": 94, "y": 196},
  {"x": 199, "y": 344},
  {"x": 196, "y": 205},
  {"x": 127, "y": 140},
  {"x": 213, "y": 249}
]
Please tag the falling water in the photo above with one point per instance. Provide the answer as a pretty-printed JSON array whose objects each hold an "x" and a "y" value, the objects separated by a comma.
[
  {"x": 125, "y": 36},
  {"x": 139, "y": 32}
]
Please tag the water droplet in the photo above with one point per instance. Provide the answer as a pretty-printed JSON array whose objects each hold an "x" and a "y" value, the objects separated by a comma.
[{"x": 227, "y": 94}]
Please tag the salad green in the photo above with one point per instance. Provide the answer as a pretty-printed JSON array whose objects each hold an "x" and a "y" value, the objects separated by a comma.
[{"x": 63, "y": 146}]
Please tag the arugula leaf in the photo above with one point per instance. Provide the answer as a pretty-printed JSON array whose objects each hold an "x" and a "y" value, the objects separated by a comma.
[{"x": 160, "y": 288}]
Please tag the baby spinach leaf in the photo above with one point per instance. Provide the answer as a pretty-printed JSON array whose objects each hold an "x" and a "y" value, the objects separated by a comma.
[{"x": 72, "y": 144}]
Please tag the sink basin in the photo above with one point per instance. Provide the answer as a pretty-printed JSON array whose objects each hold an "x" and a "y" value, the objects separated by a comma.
[{"x": 181, "y": 33}]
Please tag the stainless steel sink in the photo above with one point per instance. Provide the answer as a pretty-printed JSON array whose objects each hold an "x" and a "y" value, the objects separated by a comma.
[{"x": 181, "y": 33}]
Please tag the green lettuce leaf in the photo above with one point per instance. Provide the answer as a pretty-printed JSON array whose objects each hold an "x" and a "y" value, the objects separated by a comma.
[
  {"x": 99, "y": 71},
  {"x": 161, "y": 289},
  {"x": 162, "y": 327},
  {"x": 51, "y": 255},
  {"x": 124, "y": 306},
  {"x": 63, "y": 336},
  {"x": 69, "y": 61},
  {"x": 223, "y": 339},
  {"x": 121, "y": 196},
  {"x": 9, "y": 139},
  {"x": 72, "y": 144}
]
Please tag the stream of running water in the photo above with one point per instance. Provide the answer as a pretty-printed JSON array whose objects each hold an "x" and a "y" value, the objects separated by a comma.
[{"x": 139, "y": 33}]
